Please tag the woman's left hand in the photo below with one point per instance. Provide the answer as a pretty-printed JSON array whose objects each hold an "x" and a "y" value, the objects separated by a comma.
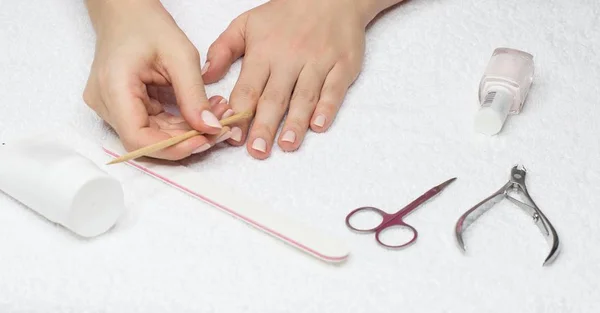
[{"x": 300, "y": 57}]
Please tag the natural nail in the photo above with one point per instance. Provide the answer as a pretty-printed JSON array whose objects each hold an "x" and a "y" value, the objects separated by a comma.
[
  {"x": 228, "y": 113},
  {"x": 289, "y": 136},
  {"x": 236, "y": 134},
  {"x": 202, "y": 148},
  {"x": 224, "y": 137},
  {"x": 320, "y": 120},
  {"x": 210, "y": 119},
  {"x": 259, "y": 144},
  {"x": 205, "y": 67}
]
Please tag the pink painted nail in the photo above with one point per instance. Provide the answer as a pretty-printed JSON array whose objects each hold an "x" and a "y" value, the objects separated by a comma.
[
  {"x": 236, "y": 134},
  {"x": 210, "y": 119},
  {"x": 259, "y": 144},
  {"x": 224, "y": 137},
  {"x": 202, "y": 148},
  {"x": 289, "y": 136},
  {"x": 205, "y": 67},
  {"x": 228, "y": 113},
  {"x": 320, "y": 120}
]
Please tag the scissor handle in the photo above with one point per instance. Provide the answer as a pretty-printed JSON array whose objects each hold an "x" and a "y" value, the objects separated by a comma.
[
  {"x": 397, "y": 224},
  {"x": 384, "y": 218}
]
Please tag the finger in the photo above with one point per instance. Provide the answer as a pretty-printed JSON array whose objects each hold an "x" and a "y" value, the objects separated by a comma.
[
  {"x": 302, "y": 106},
  {"x": 270, "y": 111},
  {"x": 228, "y": 47},
  {"x": 190, "y": 93},
  {"x": 138, "y": 135},
  {"x": 212, "y": 140},
  {"x": 220, "y": 108},
  {"x": 245, "y": 94},
  {"x": 332, "y": 95},
  {"x": 131, "y": 121}
]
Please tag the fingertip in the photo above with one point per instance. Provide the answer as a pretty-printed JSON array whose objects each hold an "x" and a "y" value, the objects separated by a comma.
[
  {"x": 319, "y": 122},
  {"x": 215, "y": 100},
  {"x": 238, "y": 136},
  {"x": 290, "y": 140},
  {"x": 226, "y": 49},
  {"x": 202, "y": 120},
  {"x": 222, "y": 109},
  {"x": 258, "y": 148},
  {"x": 216, "y": 68}
]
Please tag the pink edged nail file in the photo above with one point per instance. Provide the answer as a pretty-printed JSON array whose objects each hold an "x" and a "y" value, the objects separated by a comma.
[{"x": 311, "y": 241}]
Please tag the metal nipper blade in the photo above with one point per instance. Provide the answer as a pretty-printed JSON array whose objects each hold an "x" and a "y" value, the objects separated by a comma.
[{"x": 515, "y": 184}]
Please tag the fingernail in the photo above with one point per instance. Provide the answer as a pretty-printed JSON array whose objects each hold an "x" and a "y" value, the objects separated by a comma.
[
  {"x": 202, "y": 148},
  {"x": 228, "y": 113},
  {"x": 259, "y": 144},
  {"x": 289, "y": 136},
  {"x": 205, "y": 67},
  {"x": 236, "y": 134},
  {"x": 320, "y": 121},
  {"x": 224, "y": 137},
  {"x": 210, "y": 119},
  {"x": 223, "y": 101}
]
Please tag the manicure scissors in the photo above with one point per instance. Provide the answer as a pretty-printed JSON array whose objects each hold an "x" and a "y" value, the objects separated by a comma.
[{"x": 396, "y": 219}]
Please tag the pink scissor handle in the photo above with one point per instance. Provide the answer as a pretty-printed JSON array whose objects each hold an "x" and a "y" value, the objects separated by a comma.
[
  {"x": 385, "y": 217},
  {"x": 400, "y": 224}
]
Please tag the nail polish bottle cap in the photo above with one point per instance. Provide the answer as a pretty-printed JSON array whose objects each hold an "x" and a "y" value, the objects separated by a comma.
[{"x": 61, "y": 185}]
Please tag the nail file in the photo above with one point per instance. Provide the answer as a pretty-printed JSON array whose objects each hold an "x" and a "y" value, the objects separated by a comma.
[{"x": 249, "y": 210}]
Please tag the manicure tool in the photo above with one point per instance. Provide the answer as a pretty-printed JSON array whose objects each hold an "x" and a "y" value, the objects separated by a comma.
[
  {"x": 175, "y": 140},
  {"x": 246, "y": 208},
  {"x": 515, "y": 184},
  {"x": 396, "y": 219}
]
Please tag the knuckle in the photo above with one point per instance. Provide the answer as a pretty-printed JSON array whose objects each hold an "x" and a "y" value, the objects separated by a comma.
[
  {"x": 305, "y": 94},
  {"x": 328, "y": 106},
  {"x": 299, "y": 43},
  {"x": 275, "y": 98},
  {"x": 332, "y": 91},
  {"x": 247, "y": 91},
  {"x": 351, "y": 59},
  {"x": 190, "y": 52},
  {"x": 296, "y": 122},
  {"x": 260, "y": 53},
  {"x": 262, "y": 129},
  {"x": 195, "y": 90}
]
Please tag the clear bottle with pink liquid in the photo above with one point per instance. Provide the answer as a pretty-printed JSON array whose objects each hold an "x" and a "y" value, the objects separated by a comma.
[{"x": 503, "y": 88}]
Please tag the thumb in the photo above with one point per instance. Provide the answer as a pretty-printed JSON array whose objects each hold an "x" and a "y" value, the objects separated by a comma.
[
  {"x": 228, "y": 47},
  {"x": 190, "y": 93}
]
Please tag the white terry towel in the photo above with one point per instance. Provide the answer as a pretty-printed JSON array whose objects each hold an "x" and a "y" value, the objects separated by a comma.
[{"x": 405, "y": 126}]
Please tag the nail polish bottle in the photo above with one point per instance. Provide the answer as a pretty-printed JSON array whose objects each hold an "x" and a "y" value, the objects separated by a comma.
[{"x": 503, "y": 88}]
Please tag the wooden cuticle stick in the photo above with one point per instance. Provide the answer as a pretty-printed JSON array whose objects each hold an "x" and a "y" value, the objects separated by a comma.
[{"x": 177, "y": 139}]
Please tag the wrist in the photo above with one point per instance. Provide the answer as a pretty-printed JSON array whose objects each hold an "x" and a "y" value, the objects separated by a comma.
[
  {"x": 369, "y": 9},
  {"x": 103, "y": 12}
]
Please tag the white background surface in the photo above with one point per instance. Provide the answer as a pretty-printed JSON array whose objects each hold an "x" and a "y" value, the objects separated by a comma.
[{"x": 405, "y": 126}]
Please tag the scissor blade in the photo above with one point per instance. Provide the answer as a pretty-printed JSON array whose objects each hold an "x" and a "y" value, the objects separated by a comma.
[{"x": 446, "y": 183}]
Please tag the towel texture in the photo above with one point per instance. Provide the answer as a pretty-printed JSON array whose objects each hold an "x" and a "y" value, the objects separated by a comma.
[{"x": 414, "y": 102}]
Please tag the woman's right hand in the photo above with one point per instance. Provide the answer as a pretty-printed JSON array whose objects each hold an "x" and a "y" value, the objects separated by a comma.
[{"x": 142, "y": 60}]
